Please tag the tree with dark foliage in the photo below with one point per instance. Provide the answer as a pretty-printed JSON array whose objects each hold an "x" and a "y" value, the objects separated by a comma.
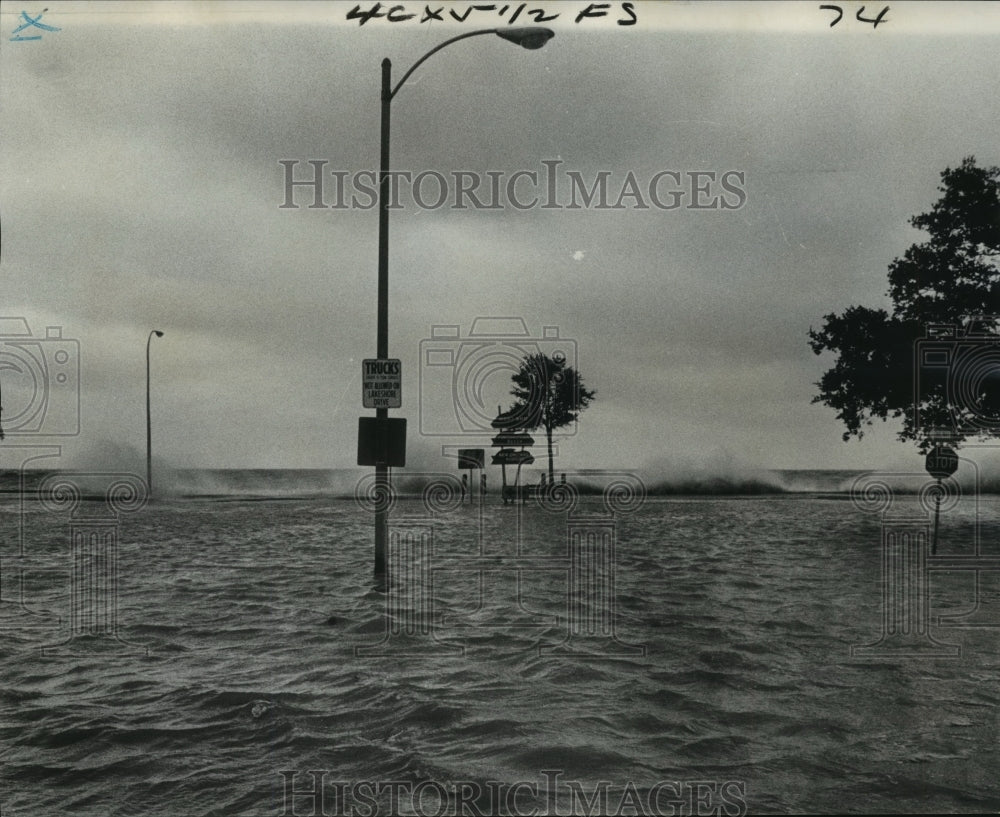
[
  {"x": 548, "y": 394},
  {"x": 934, "y": 361}
]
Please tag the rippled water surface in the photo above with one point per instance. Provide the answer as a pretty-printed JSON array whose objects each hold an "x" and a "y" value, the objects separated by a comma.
[{"x": 253, "y": 642}]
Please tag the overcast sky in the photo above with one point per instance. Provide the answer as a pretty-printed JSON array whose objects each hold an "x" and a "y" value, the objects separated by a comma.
[{"x": 142, "y": 188}]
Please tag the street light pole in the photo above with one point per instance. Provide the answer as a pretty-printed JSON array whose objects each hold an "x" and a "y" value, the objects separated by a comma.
[
  {"x": 382, "y": 317},
  {"x": 530, "y": 38},
  {"x": 149, "y": 428}
]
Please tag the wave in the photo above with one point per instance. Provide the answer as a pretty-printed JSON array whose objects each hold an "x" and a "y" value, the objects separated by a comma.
[
  {"x": 258, "y": 482},
  {"x": 346, "y": 483}
]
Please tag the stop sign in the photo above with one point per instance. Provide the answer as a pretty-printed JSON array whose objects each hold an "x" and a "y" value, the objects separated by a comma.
[{"x": 941, "y": 462}]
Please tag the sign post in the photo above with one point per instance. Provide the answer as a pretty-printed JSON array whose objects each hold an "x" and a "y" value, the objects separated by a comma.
[
  {"x": 381, "y": 440},
  {"x": 469, "y": 460},
  {"x": 941, "y": 463}
]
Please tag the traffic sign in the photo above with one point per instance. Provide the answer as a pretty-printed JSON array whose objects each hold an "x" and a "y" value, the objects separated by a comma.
[
  {"x": 382, "y": 383},
  {"x": 941, "y": 462},
  {"x": 508, "y": 456},
  {"x": 471, "y": 458},
  {"x": 382, "y": 441},
  {"x": 508, "y": 439}
]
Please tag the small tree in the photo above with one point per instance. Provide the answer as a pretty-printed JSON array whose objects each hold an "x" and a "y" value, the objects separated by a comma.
[
  {"x": 548, "y": 394},
  {"x": 950, "y": 279}
]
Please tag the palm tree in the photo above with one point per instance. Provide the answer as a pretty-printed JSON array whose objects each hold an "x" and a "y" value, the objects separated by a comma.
[{"x": 548, "y": 394}]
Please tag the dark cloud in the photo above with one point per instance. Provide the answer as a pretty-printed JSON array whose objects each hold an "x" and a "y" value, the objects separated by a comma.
[{"x": 142, "y": 185}]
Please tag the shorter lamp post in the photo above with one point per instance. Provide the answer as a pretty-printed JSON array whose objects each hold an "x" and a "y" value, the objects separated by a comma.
[{"x": 149, "y": 428}]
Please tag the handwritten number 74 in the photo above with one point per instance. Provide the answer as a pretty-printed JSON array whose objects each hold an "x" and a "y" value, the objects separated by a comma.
[{"x": 840, "y": 13}]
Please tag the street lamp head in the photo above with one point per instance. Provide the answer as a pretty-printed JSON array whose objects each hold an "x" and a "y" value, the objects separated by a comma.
[
  {"x": 532, "y": 37},
  {"x": 158, "y": 333}
]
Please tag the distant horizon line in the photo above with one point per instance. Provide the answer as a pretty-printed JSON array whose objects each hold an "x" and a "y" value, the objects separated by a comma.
[{"x": 365, "y": 468}]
